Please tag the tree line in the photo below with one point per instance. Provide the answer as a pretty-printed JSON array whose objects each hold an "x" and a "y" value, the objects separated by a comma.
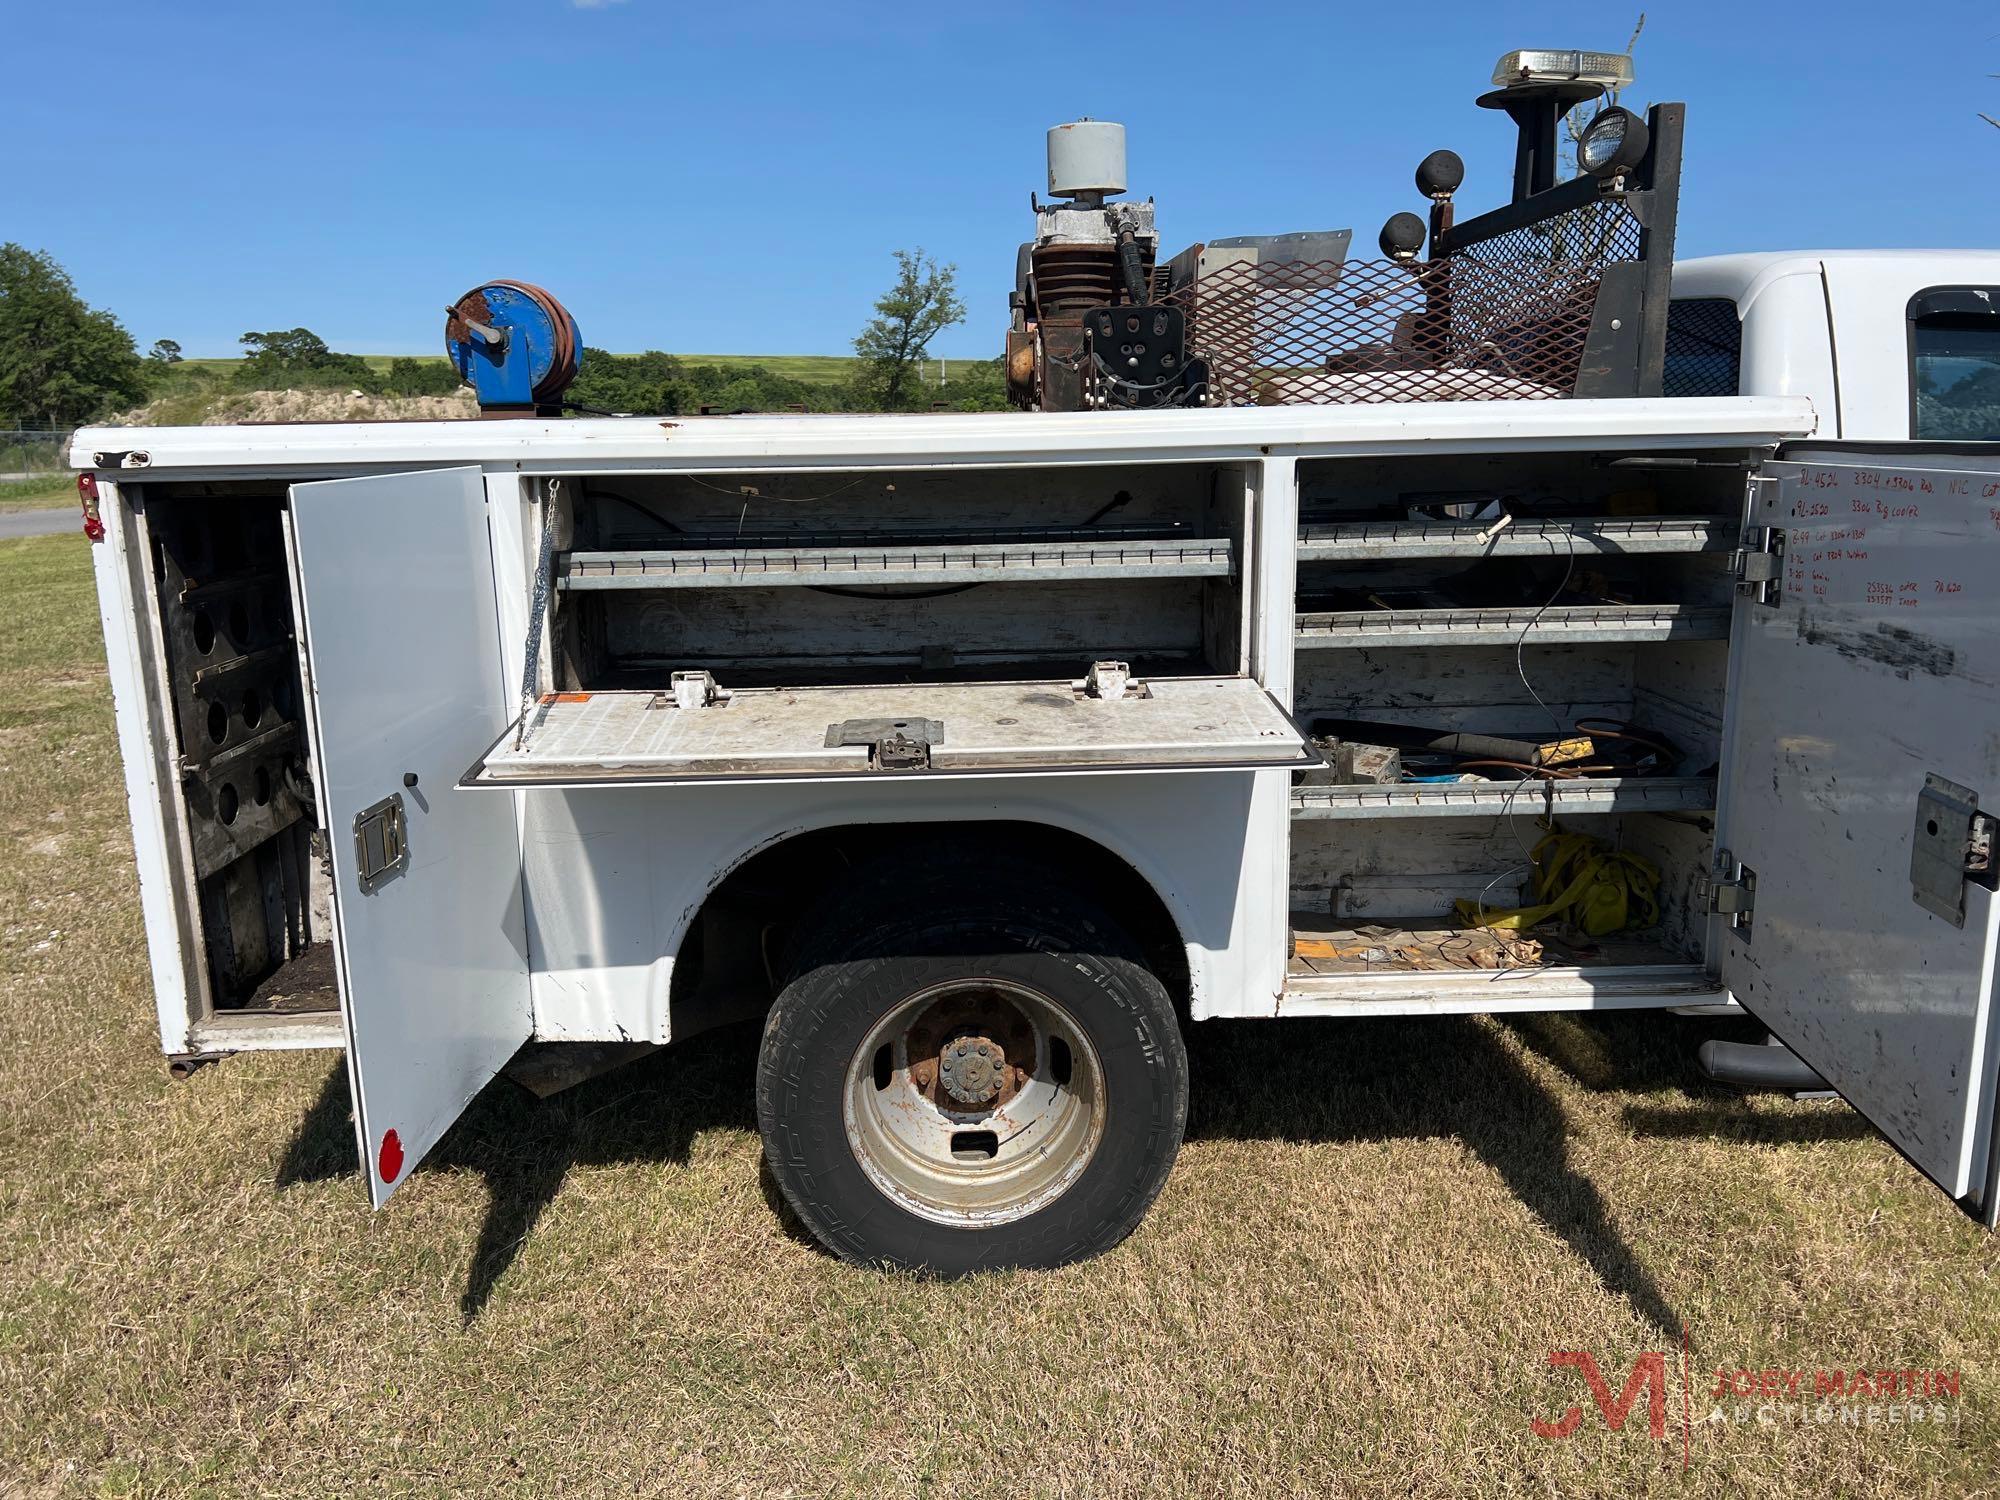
[{"x": 64, "y": 363}]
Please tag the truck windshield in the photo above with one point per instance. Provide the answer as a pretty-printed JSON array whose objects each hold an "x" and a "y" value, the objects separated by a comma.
[{"x": 1955, "y": 366}]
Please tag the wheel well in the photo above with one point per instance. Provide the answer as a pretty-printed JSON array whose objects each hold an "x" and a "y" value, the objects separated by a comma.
[{"x": 725, "y": 968}]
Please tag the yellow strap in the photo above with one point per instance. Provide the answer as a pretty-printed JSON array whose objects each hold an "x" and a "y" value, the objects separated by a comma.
[{"x": 1598, "y": 889}]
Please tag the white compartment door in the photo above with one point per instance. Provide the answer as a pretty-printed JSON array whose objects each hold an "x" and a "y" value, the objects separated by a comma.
[
  {"x": 1859, "y": 782},
  {"x": 393, "y": 577}
]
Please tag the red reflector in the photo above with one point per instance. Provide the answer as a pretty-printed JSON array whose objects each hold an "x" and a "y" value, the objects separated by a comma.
[
  {"x": 86, "y": 493},
  {"x": 390, "y": 1163}
]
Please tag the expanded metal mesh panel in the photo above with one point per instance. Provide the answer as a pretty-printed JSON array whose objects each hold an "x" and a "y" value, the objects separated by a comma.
[
  {"x": 1704, "y": 347},
  {"x": 1503, "y": 318}
]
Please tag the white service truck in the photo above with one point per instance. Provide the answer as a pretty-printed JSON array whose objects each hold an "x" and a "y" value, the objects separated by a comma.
[{"x": 983, "y": 753}]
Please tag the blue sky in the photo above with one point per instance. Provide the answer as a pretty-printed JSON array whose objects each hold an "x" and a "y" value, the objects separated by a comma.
[{"x": 732, "y": 178}]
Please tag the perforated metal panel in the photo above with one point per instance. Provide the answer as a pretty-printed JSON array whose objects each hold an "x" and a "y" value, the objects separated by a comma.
[{"x": 1504, "y": 318}]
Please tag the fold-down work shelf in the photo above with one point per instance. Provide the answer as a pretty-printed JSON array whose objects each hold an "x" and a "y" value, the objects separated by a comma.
[{"x": 1182, "y": 723}]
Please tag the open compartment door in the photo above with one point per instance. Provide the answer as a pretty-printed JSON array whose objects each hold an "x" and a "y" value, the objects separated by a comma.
[
  {"x": 393, "y": 578},
  {"x": 1862, "y": 775}
]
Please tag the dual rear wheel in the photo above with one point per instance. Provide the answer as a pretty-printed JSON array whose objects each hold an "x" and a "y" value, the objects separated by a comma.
[{"x": 970, "y": 1067}]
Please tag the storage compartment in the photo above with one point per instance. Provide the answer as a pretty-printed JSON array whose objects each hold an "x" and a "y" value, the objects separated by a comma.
[
  {"x": 1489, "y": 648},
  {"x": 873, "y": 577},
  {"x": 977, "y": 620},
  {"x": 228, "y": 686}
]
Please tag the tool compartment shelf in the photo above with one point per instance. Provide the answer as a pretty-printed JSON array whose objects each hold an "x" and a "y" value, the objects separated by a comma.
[
  {"x": 882, "y": 576},
  {"x": 1560, "y": 798},
  {"x": 1540, "y": 600},
  {"x": 1592, "y": 536},
  {"x": 996, "y": 560},
  {"x": 1319, "y": 630}
]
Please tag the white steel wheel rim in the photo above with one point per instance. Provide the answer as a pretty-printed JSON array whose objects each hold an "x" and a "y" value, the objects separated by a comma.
[{"x": 973, "y": 1162}]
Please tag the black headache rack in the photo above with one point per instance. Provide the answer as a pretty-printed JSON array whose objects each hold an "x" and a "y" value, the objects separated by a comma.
[{"x": 1562, "y": 292}]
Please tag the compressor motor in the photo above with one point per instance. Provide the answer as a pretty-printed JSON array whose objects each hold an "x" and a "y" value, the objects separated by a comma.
[{"x": 1086, "y": 328}]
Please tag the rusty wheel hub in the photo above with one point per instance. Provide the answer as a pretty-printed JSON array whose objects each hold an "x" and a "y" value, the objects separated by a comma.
[
  {"x": 972, "y": 1069},
  {"x": 974, "y": 1102}
]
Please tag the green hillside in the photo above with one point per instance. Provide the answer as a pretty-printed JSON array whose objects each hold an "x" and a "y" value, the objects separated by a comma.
[{"x": 817, "y": 369}]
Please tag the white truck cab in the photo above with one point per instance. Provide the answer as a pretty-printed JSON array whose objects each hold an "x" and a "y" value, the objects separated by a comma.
[{"x": 1888, "y": 345}]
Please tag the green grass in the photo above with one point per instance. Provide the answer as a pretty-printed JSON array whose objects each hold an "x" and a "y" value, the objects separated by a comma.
[
  {"x": 1377, "y": 1232},
  {"x": 38, "y": 494}
]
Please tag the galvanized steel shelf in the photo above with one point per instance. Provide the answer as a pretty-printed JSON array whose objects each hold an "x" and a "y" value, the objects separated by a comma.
[
  {"x": 969, "y": 562},
  {"x": 1375, "y": 629},
  {"x": 1370, "y": 541},
  {"x": 1486, "y": 799}
]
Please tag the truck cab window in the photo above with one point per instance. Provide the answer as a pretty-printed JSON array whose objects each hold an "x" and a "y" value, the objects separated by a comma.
[
  {"x": 1955, "y": 364},
  {"x": 1704, "y": 347}
]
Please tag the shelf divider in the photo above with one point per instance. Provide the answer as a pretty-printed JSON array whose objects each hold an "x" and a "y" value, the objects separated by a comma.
[
  {"x": 1486, "y": 799},
  {"x": 1557, "y": 625},
  {"x": 968, "y": 562},
  {"x": 1371, "y": 541}
]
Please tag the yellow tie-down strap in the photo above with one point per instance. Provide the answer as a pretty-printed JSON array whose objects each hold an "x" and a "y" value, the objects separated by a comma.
[{"x": 1583, "y": 882}]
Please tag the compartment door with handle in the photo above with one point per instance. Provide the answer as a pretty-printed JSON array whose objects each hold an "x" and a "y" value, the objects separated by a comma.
[
  {"x": 394, "y": 589},
  {"x": 1861, "y": 779}
]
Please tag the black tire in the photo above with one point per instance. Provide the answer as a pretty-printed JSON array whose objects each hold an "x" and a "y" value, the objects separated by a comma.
[{"x": 904, "y": 927}]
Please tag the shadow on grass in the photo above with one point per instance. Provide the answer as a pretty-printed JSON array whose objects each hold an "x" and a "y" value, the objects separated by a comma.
[
  {"x": 1307, "y": 1080},
  {"x": 1372, "y": 1080},
  {"x": 1735, "y": 1122},
  {"x": 649, "y": 1110}
]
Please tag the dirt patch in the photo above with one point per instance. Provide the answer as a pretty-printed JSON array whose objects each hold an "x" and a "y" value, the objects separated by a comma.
[{"x": 301, "y": 406}]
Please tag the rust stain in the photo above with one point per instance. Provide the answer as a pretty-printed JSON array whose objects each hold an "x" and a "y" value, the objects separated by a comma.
[{"x": 472, "y": 307}]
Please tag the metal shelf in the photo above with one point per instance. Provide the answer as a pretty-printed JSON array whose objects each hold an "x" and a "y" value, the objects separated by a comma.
[
  {"x": 1370, "y": 541},
  {"x": 968, "y": 562},
  {"x": 1559, "y": 625},
  {"x": 1487, "y": 799}
]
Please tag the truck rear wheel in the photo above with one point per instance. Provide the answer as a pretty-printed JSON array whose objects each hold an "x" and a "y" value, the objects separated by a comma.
[{"x": 970, "y": 1069}]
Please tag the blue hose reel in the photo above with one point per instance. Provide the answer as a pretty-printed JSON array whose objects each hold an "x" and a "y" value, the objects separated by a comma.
[{"x": 515, "y": 345}]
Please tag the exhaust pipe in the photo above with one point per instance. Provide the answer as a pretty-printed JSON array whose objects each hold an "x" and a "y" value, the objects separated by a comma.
[{"x": 1771, "y": 1068}]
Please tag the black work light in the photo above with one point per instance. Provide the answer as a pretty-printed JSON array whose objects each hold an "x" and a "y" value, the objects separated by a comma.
[{"x": 1613, "y": 143}]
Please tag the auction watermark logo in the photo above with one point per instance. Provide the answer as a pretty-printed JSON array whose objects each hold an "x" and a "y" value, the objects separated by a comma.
[{"x": 1864, "y": 1395}]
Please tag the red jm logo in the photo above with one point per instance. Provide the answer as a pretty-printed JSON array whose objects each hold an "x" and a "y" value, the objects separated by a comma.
[{"x": 1649, "y": 1374}]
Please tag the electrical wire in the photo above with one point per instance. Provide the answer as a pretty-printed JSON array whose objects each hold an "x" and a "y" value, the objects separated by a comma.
[
  {"x": 1521, "y": 641},
  {"x": 846, "y": 593},
  {"x": 1507, "y": 812},
  {"x": 748, "y": 493}
]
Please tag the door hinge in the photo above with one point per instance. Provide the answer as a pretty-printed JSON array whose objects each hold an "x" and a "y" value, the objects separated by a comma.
[
  {"x": 1760, "y": 564},
  {"x": 381, "y": 842},
  {"x": 1111, "y": 681},
  {"x": 1951, "y": 844},
  {"x": 690, "y": 690},
  {"x": 1731, "y": 895},
  {"x": 893, "y": 744}
]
